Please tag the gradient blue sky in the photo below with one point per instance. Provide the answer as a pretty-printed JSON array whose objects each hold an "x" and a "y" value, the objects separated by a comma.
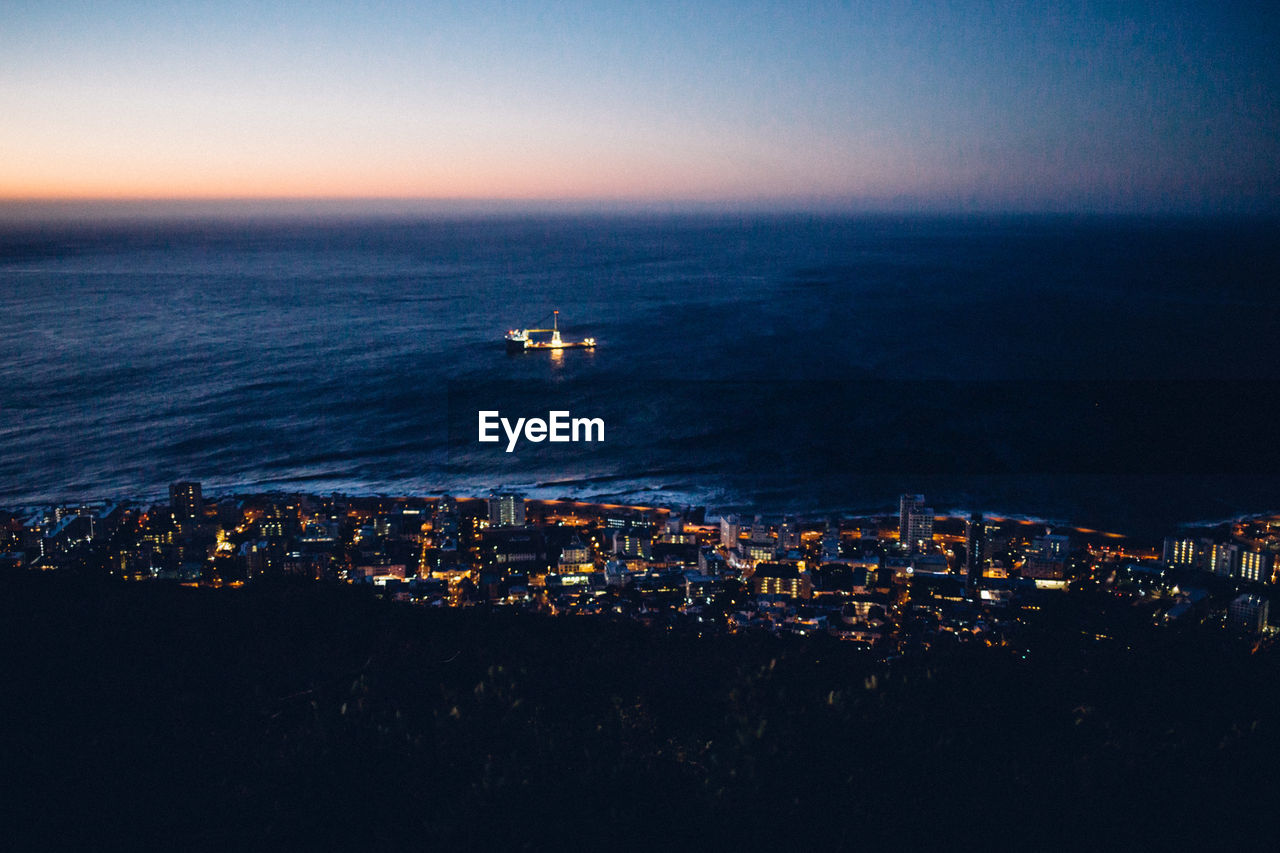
[{"x": 1092, "y": 106}]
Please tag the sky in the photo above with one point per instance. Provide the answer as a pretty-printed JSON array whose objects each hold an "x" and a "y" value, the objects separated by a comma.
[{"x": 1054, "y": 106}]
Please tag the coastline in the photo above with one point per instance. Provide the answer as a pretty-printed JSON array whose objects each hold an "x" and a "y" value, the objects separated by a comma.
[{"x": 545, "y": 497}]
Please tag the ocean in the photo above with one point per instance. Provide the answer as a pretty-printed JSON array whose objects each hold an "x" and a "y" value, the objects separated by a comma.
[{"x": 1114, "y": 372}]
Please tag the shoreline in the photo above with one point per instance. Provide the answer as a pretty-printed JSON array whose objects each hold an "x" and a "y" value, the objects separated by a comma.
[{"x": 953, "y": 514}]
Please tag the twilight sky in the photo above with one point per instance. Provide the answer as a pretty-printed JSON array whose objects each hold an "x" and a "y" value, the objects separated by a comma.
[{"x": 1092, "y": 106}]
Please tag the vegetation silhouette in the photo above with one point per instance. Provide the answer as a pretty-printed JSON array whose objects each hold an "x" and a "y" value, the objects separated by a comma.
[{"x": 306, "y": 714}]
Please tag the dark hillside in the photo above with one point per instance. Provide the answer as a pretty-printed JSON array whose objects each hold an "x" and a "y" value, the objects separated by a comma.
[{"x": 313, "y": 715}]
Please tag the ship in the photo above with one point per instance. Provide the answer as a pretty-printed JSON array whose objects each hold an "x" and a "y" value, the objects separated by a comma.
[{"x": 519, "y": 340}]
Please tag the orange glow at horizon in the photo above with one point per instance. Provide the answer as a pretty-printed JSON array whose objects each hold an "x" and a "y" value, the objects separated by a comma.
[
  {"x": 615, "y": 176},
  {"x": 950, "y": 107}
]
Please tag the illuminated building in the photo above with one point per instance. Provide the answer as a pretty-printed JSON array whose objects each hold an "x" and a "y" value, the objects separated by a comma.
[
  {"x": 70, "y": 531},
  {"x": 729, "y": 530},
  {"x": 629, "y": 542},
  {"x": 1187, "y": 553},
  {"x": 781, "y": 579},
  {"x": 186, "y": 503},
  {"x": 831, "y": 542},
  {"x": 757, "y": 552},
  {"x": 272, "y": 525},
  {"x": 445, "y": 520},
  {"x": 907, "y": 504},
  {"x": 158, "y": 531},
  {"x": 561, "y": 581},
  {"x": 623, "y": 517},
  {"x": 575, "y": 557},
  {"x": 1224, "y": 560},
  {"x": 506, "y": 511},
  {"x": 975, "y": 548},
  {"x": 673, "y": 532},
  {"x": 1053, "y": 547},
  {"x": 788, "y": 534},
  {"x": 1047, "y": 558},
  {"x": 659, "y": 582},
  {"x": 1255, "y": 566},
  {"x": 515, "y": 550},
  {"x": 915, "y": 523},
  {"x": 710, "y": 563},
  {"x": 617, "y": 574},
  {"x": 1248, "y": 614},
  {"x": 701, "y": 589}
]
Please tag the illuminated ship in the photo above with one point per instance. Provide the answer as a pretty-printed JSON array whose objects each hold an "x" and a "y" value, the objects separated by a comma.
[{"x": 519, "y": 340}]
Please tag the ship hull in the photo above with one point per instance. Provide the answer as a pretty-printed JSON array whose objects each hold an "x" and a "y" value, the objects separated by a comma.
[{"x": 519, "y": 340}]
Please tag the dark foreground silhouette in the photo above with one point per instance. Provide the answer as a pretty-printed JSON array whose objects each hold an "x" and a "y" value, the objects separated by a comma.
[{"x": 317, "y": 716}]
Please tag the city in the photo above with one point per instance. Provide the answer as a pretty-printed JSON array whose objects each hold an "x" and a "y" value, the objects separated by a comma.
[
  {"x": 938, "y": 508},
  {"x": 295, "y": 669},
  {"x": 892, "y": 585}
]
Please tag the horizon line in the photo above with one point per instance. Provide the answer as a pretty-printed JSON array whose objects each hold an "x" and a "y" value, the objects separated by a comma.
[{"x": 29, "y": 208}]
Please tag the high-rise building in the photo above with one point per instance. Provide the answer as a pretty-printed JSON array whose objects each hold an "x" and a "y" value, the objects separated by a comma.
[
  {"x": 506, "y": 511},
  {"x": 1224, "y": 560},
  {"x": 975, "y": 549},
  {"x": 1188, "y": 553},
  {"x": 789, "y": 534},
  {"x": 186, "y": 503},
  {"x": 831, "y": 541},
  {"x": 915, "y": 523},
  {"x": 445, "y": 521},
  {"x": 907, "y": 504},
  {"x": 1255, "y": 566},
  {"x": 729, "y": 530},
  {"x": 1248, "y": 614}
]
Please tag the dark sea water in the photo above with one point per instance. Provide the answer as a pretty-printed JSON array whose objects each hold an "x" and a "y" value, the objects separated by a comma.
[{"x": 1119, "y": 373}]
